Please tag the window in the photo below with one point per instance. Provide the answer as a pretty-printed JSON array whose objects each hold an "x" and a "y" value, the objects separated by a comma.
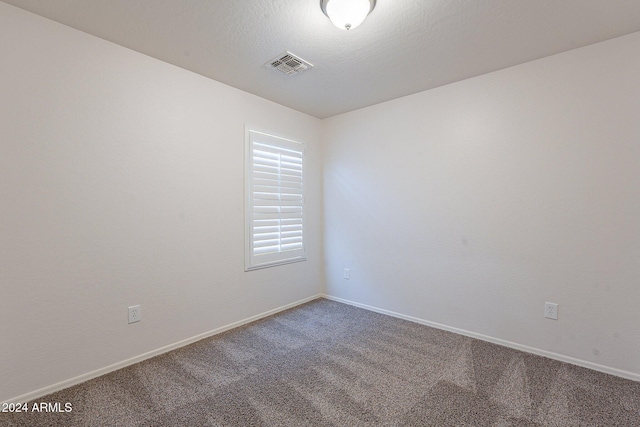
[{"x": 274, "y": 212}]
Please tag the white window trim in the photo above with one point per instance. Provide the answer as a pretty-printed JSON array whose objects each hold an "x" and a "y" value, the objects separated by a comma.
[{"x": 253, "y": 261}]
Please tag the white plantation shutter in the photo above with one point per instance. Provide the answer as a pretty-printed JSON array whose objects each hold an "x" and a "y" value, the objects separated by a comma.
[{"x": 275, "y": 201}]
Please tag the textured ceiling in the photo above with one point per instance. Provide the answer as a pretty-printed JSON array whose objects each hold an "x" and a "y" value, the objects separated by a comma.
[{"x": 405, "y": 46}]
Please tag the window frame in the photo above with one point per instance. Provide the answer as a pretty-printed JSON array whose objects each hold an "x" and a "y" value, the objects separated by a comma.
[{"x": 256, "y": 262}]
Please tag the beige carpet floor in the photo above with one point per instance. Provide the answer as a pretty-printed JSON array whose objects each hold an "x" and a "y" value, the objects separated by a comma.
[{"x": 330, "y": 364}]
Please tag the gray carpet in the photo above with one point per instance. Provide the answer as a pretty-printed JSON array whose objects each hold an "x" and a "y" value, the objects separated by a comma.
[{"x": 330, "y": 364}]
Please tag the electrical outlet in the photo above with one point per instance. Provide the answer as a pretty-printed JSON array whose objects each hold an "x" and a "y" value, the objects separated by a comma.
[
  {"x": 551, "y": 310},
  {"x": 134, "y": 314},
  {"x": 347, "y": 274}
]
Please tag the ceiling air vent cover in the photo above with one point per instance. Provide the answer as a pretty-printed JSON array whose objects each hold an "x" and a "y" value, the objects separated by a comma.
[{"x": 289, "y": 64}]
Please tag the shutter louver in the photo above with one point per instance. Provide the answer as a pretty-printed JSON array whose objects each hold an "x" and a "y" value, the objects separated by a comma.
[{"x": 276, "y": 201}]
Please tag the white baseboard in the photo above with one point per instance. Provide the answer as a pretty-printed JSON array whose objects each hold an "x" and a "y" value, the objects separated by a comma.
[
  {"x": 560, "y": 357},
  {"x": 102, "y": 371}
]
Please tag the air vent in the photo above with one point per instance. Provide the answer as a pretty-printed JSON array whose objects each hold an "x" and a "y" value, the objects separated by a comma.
[{"x": 289, "y": 64}]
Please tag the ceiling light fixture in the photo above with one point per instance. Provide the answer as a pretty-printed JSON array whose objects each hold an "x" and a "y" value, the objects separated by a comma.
[{"x": 347, "y": 14}]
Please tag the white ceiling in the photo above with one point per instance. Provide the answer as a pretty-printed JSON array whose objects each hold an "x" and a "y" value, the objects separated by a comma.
[{"x": 404, "y": 46}]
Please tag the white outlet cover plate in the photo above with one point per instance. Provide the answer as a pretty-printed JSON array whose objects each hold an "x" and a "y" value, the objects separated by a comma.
[
  {"x": 347, "y": 274},
  {"x": 551, "y": 310},
  {"x": 134, "y": 314}
]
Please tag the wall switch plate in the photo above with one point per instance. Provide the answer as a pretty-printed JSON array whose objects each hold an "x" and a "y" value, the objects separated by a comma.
[
  {"x": 347, "y": 274},
  {"x": 134, "y": 314},
  {"x": 551, "y": 310}
]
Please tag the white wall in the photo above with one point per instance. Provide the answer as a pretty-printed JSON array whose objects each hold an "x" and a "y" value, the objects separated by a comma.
[
  {"x": 121, "y": 183},
  {"x": 473, "y": 204}
]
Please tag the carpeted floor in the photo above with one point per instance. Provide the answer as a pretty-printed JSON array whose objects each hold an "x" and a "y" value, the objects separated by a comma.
[{"x": 330, "y": 364}]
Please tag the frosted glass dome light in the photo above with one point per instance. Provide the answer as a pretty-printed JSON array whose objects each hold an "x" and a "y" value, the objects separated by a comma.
[{"x": 347, "y": 14}]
